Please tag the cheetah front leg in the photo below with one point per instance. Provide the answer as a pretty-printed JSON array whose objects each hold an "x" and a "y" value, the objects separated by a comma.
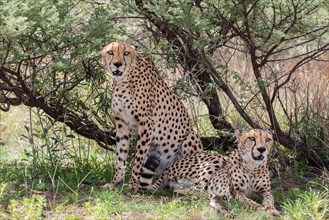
[
  {"x": 142, "y": 148},
  {"x": 218, "y": 203},
  {"x": 122, "y": 148},
  {"x": 269, "y": 202},
  {"x": 243, "y": 198}
]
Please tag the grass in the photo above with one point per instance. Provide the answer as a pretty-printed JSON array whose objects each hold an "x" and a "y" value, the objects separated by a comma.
[
  {"x": 67, "y": 185},
  {"x": 74, "y": 192},
  {"x": 310, "y": 205}
]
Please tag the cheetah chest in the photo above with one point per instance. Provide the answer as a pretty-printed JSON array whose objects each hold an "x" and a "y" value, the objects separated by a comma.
[
  {"x": 123, "y": 106},
  {"x": 246, "y": 183}
]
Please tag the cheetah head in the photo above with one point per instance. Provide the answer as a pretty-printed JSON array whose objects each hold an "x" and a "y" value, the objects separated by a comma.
[
  {"x": 254, "y": 146},
  {"x": 118, "y": 59}
]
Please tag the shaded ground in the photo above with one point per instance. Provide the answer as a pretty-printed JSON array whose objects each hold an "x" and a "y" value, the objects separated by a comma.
[{"x": 41, "y": 197}]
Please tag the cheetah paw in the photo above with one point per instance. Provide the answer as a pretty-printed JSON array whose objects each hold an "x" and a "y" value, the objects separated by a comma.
[
  {"x": 112, "y": 184},
  {"x": 274, "y": 212},
  {"x": 133, "y": 186},
  {"x": 107, "y": 186}
]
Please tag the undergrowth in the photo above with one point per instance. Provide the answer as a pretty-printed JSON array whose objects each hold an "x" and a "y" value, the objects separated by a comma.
[
  {"x": 62, "y": 178},
  {"x": 74, "y": 192}
]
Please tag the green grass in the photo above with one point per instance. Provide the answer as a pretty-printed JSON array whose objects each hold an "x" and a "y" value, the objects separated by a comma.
[
  {"x": 63, "y": 179},
  {"x": 310, "y": 205},
  {"x": 74, "y": 192}
]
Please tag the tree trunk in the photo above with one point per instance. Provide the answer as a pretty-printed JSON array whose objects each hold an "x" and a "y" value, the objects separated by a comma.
[{"x": 189, "y": 57}]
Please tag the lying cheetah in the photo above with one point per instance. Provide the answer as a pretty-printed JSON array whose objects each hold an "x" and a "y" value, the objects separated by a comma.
[
  {"x": 143, "y": 103},
  {"x": 243, "y": 173}
]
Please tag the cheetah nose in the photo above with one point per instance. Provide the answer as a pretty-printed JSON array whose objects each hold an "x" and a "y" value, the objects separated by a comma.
[
  {"x": 261, "y": 149},
  {"x": 117, "y": 64}
]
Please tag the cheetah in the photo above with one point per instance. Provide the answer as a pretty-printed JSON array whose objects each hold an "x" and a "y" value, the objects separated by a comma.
[
  {"x": 243, "y": 173},
  {"x": 143, "y": 103}
]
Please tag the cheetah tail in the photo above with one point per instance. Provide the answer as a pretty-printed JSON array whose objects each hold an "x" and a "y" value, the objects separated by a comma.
[{"x": 148, "y": 171}]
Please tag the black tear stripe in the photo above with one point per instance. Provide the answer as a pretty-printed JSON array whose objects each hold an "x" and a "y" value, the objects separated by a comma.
[
  {"x": 125, "y": 61},
  {"x": 111, "y": 63},
  {"x": 252, "y": 149}
]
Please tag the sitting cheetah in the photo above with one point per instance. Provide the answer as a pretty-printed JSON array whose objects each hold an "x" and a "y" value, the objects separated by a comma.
[
  {"x": 143, "y": 103},
  {"x": 244, "y": 172}
]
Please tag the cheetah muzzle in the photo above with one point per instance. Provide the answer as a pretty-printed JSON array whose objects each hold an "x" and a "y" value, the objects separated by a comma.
[
  {"x": 259, "y": 150},
  {"x": 117, "y": 73},
  {"x": 258, "y": 158}
]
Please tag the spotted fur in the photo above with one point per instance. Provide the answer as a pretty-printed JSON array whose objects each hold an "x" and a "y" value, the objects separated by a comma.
[
  {"x": 143, "y": 103},
  {"x": 243, "y": 173}
]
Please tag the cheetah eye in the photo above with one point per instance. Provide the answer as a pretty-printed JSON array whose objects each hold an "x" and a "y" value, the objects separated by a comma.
[
  {"x": 110, "y": 52},
  {"x": 268, "y": 139},
  {"x": 126, "y": 53},
  {"x": 252, "y": 138}
]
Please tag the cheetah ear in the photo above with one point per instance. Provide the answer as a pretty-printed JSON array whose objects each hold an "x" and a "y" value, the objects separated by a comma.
[
  {"x": 135, "y": 47},
  {"x": 269, "y": 131},
  {"x": 102, "y": 46},
  {"x": 238, "y": 134}
]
